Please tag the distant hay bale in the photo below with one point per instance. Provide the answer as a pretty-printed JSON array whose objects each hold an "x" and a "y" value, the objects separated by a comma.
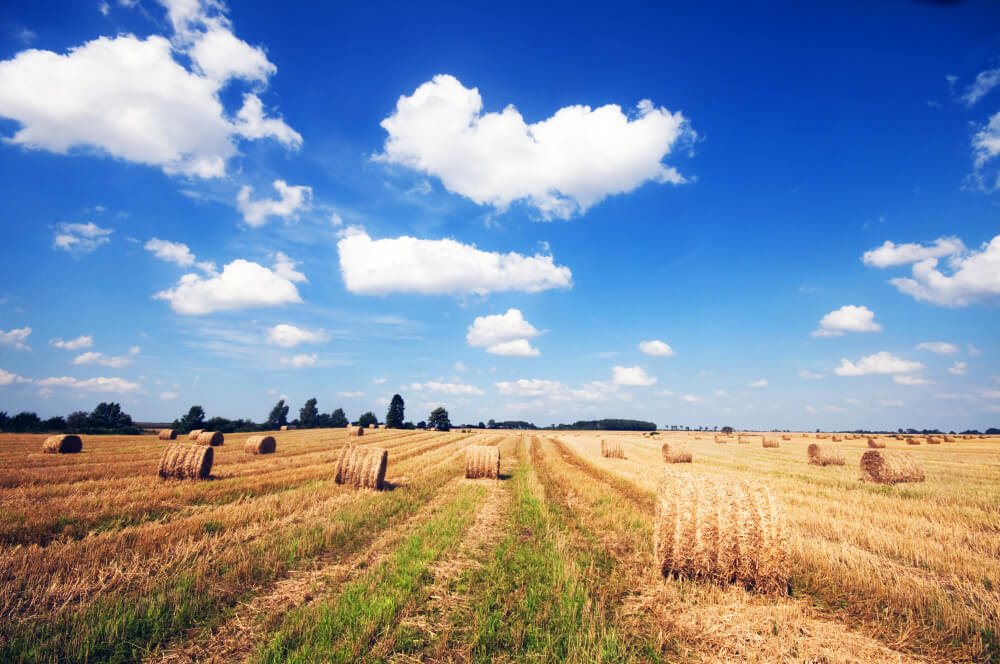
[
  {"x": 167, "y": 434},
  {"x": 482, "y": 461},
  {"x": 372, "y": 426},
  {"x": 721, "y": 440},
  {"x": 675, "y": 452},
  {"x": 836, "y": 439},
  {"x": 213, "y": 438},
  {"x": 786, "y": 437},
  {"x": 612, "y": 450},
  {"x": 822, "y": 435},
  {"x": 769, "y": 442},
  {"x": 742, "y": 440},
  {"x": 186, "y": 462},
  {"x": 285, "y": 427},
  {"x": 260, "y": 445},
  {"x": 890, "y": 467},
  {"x": 825, "y": 456},
  {"x": 931, "y": 440},
  {"x": 912, "y": 441},
  {"x": 355, "y": 431},
  {"x": 948, "y": 439},
  {"x": 64, "y": 444},
  {"x": 194, "y": 434},
  {"x": 362, "y": 467},
  {"x": 726, "y": 531},
  {"x": 875, "y": 443}
]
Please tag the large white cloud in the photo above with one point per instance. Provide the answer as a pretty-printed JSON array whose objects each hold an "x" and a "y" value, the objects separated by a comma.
[
  {"x": 438, "y": 267},
  {"x": 287, "y": 336},
  {"x": 561, "y": 166},
  {"x": 80, "y": 238},
  {"x": 632, "y": 376},
  {"x": 133, "y": 98},
  {"x": 656, "y": 348},
  {"x": 879, "y": 363},
  {"x": 503, "y": 334},
  {"x": 849, "y": 318},
  {"x": 292, "y": 199},
  {"x": 975, "y": 277},
  {"x": 890, "y": 253},
  {"x": 515, "y": 348},
  {"x": 16, "y": 338},
  {"x": 241, "y": 285}
]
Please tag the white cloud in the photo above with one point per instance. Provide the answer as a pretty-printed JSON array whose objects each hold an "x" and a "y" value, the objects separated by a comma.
[
  {"x": 79, "y": 238},
  {"x": 98, "y": 384},
  {"x": 656, "y": 348},
  {"x": 958, "y": 369},
  {"x": 984, "y": 83},
  {"x": 632, "y": 377},
  {"x": 300, "y": 361},
  {"x": 116, "y": 361},
  {"x": 351, "y": 395},
  {"x": 759, "y": 383},
  {"x": 973, "y": 351},
  {"x": 440, "y": 267},
  {"x": 168, "y": 396},
  {"x": 130, "y": 98},
  {"x": 7, "y": 378},
  {"x": 176, "y": 252},
  {"x": 498, "y": 328},
  {"x": 460, "y": 366},
  {"x": 287, "y": 336},
  {"x": 690, "y": 398},
  {"x": 939, "y": 347},
  {"x": 241, "y": 285},
  {"x": 975, "y": 277},
  {"x": 292, "y": 199},
  {"x": 85, "y": 341},
  {"x": 16, "y": 338},
  {"x": 879, "y": 363},
  {"x": 849, "y": 318},
  {"x": 986, "y": 146},
  {"x": 561, "y": 166},
  {"x": 515, "y": 348},
  {"x": 808, "y": 375},
  {"x": 890, "y": 254},
  {"x": 911, "y": 381},
  {"x": 379, "y": 381},
  {"x": 284, "y": 267},
  {"x": 446, "y": 388}
]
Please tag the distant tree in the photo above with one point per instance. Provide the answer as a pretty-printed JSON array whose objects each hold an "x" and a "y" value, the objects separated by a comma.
[
  {"x": 56, "y": 423},
  {"x": 992, "y": 431},
  {"x": 4, "y": 421},
  {"x": 278, "y": 417},
  {"x": 195, "y": 419},
  {"x": 394, "y": 418},
  {"x": 110, "y": 418},
  {"x": 482, "y": 426},
  {"x": 408, "y": 425},
  {"x": 25, "y": 422},
  {"x": 367, "y": 419},
  {"x": 439, "y": 419},
  {"x": 726, "y": 430},
  {"x": 421, "y": 424},
  {"x": 491, "y": 424},
  {"x": 220, "y": 424},
  {"x": 338, "y": 418},
  {"x": 308, "y": 415},
  {"x": 76, "y": 422}
]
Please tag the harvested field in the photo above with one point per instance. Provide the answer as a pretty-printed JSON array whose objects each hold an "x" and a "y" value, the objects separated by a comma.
[{"x": 562, "y": 559}]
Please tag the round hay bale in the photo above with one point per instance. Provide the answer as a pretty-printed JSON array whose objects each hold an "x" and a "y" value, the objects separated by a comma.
[
  {"x": 729, "y": 532},
  {"x": 721, "y": 440},
  {"x": 213, "y": 438},
  {"x": 260, "y": 445},
  {"x": 931, "y": 440},
  {"x": 836, "y": 439},
  {"x": 890, "y": 467},
  {"x": 186, "y": 462},
  {"x": 167, "y": 434},
  {"x": 912, "y": 441},
  {"x": 284, "y": 427},
  {"x": 875, "y": 443},
  {"x": 363, "y": 467},
  {"x": 63, "y": 444},
  {"x": 194, "y": 434},
  {"x": 769, "y": 442},
  {"x": 676, "y": 452},
  {"x": 786, "y": 437},
  {"x": 825, "y": 456},
  {"x": 482, "y": 461}
]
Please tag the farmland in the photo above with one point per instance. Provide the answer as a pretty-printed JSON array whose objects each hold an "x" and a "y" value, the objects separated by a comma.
[{"x": 270, "y": 560}]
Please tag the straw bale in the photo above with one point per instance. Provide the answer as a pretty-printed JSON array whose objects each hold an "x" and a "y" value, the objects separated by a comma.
[
  {"x": 676, "y": 452},
  {"x": 875, "y": 443},
  {"x": 482, "y": 461},
  {"x": 890, "y": 467},
  {"x": 931, "y": 440},
  {"x": 167, "y": 434},
  {"x": 912, "y": 441},
  {"x": 213, "y": 438},
  {"x": 194, "y": 434},
  {"x": 718, "y": 529},
  {"x": 186, "y": 462},
  {"x": 786, "y": 437},
  {"x": 825, "y": 456},
  {"x": 362, "y": 467},
  {"x": 769, "y": 442},
  {"x": 612, "y": 449},
  {"x": 260, "y": 445},
  {"x": 63, "y": 444}
]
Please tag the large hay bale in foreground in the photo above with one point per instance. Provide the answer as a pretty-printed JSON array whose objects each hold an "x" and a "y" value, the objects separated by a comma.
[
  {"x": 769, "y": 442},
  {"x": 912, "y": 441},
  {"x": 612, "y": 450},
  {"x": 890, "y": 467},
  {"x": 362, "y": 467},
  {"x": 482, "y": 461},
  {"x": 730, "y": 532},
  {"x": 186, "y": 462},
  {"x": 194, "y": 434},
  {"x": 875, "y": 443},
  {"x": 260, "y": 445},
  {"x": 675, "y": 452},
  {"x": 825, "y": 456},
  {"x": 64, "y": 444},
  {"x": 213, "y": 438},
  {"x": 167, "y": 434}
]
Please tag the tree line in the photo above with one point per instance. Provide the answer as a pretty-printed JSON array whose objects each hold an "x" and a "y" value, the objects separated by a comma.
[{"x": 106, "y": 418}]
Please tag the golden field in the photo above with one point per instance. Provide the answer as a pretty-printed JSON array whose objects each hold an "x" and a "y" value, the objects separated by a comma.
[{"x": 270, "y": 560}]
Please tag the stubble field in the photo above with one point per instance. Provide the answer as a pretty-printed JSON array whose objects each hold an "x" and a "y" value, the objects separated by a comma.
[{"x": 271, "y": 561}]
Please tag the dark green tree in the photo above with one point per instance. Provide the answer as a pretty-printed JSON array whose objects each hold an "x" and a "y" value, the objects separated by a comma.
[
  {"x": 439, "y": 419},
  {"x": 76, "y": 422},
  {"x": 394, "y": 418},
  {"x": 309, "y": 414},
  {"x": 110, "y": 418},
  {"x": 482, "y": 426},
  {"x": 492, "y": 424},
  {"x": 195, "y": 419},
  {"x": 367, "y": 419},
  {"x": 278, "y": 417},
  {"x": 338, "y": 419}
]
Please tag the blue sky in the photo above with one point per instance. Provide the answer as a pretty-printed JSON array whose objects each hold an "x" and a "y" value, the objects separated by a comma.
[{"x": 777, "y": 216}]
